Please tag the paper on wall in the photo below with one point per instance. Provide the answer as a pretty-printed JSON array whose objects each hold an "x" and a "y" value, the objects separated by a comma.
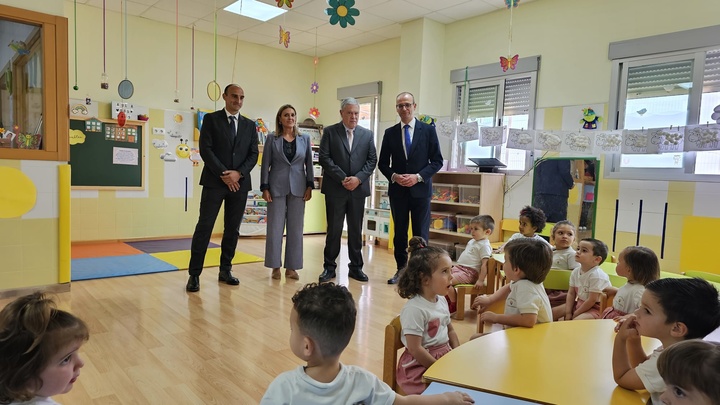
[
  {"x": 523, "y": 139},
  {"x": 579, "y": 141},
  {"x": 702, "y": 137},
  {"x": 446, "y": 129},
  {"x": 608, "y": 141},
  {"x": 468, "y": 131},
  {"x": 493, "y": 136}
]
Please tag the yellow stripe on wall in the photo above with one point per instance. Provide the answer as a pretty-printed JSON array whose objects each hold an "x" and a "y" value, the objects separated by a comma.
[{"x": 64, "y": 224}]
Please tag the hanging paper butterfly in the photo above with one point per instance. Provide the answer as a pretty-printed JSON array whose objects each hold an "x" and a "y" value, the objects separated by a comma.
[
  {"x": 506, "y": 63},
  {"x": 28, "y": 141},
  {"x": 314, "y": 87},
  {"x": 314, "y": 112},
  {"x": 284, "y": 37},
  {"x": 285, "y": 3},
  {"x": 511, "y": 3}
]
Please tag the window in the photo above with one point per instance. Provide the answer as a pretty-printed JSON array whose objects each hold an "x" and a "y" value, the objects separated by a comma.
[
  {"x": 33, "y": 85},
  {"x": 497, "y": 101},
  {"x": 674, "y": 88}
]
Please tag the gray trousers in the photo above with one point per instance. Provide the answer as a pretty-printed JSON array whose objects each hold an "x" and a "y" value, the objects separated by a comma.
[{"x": 285, "y": 211}]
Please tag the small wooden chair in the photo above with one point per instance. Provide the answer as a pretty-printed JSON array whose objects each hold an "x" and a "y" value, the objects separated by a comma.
[
  {"x": 465, "y": 289},
  {"x": 390, "y": 358}
]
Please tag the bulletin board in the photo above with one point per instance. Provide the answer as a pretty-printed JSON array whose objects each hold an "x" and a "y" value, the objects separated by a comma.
[{"x": 104, "y": 155}]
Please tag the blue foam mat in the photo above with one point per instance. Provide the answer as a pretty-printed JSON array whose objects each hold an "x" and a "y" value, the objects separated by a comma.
[{"x": 117, "y": 266}]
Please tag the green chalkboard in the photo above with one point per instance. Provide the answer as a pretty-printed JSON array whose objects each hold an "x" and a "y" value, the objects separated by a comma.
[{"x": 104, "y": 155}]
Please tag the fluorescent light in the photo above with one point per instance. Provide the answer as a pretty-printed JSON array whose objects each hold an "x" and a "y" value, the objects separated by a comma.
[{"x": 255, "y": 10}]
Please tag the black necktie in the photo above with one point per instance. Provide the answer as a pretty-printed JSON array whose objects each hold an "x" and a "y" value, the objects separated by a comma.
[{"x": 232, "y": 124}]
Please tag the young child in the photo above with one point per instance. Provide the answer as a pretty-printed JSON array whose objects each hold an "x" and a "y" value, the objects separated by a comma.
[
  {"x": 691, "y": 371},
  {"x": 38, "y": 350},
  {"x": 322, "y": 322},
  {"x": 563, "y": 234},
  {"x": 527, "y": 263},
  {"x": 531, "y": 221},
  {"x": 426, "y": 329},
  {"x": 471, "y": 266},
  {"x": 587, "y": 281},
  {"x": 671, "y": 310},
  {"x": 640, "y": 266}
]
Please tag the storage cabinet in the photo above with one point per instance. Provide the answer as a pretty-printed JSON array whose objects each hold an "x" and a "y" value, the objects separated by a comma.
[{"x": 460, "y": 196}]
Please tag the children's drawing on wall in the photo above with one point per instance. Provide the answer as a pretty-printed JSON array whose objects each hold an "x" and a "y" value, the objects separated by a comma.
[
  {"x": 83, "y": 108},
  {"x": 262, "y": 131}
]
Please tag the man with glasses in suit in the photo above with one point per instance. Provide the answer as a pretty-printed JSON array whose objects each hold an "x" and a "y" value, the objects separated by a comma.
[{"x": 409, "y": 157}]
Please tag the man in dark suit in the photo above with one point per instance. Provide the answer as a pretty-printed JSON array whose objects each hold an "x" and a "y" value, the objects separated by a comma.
[
  {"x": 552, "y": 184},
  {"x": 409, "y": 157},
  {"x": 229, "y": 148},
  {"x": 348, "y": 158}
]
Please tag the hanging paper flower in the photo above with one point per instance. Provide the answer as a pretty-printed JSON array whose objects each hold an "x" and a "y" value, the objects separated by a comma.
[
  {"x": 285, "y": 3},
  {"x": 284, "y": 37},
  {"x": 342, "y": 11},
  {"x": 511, "y": 3},
  {"x": 314, "y": 87},
  {"x": 315, "y": 112}
]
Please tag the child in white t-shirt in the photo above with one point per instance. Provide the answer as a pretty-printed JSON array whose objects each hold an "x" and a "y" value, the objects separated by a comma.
[
  {"x": 527, "y": 263},
  {"x": 640, "y": 266},
  {"x": 587, "y": 281},
  {"x": 471, "y": 266},
  {"x": 322, "y": 322},
  {"x": 671, "y": 310}
]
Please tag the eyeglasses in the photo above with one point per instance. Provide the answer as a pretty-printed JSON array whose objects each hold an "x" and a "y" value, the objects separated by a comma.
[{"x": 405, "y": 105}]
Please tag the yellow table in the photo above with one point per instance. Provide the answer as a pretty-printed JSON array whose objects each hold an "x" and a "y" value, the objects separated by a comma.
[{"x": 556, "y": 363}]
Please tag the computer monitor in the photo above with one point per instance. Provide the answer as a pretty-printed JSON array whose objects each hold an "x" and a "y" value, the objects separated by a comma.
[{"x": 487, "y": 165}]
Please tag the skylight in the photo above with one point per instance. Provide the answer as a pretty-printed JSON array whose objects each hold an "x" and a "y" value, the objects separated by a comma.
[{"x": 255, "y": 9}]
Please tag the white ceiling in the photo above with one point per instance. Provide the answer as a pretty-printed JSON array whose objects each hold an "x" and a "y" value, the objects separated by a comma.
[{"x": 310, "y": 31}]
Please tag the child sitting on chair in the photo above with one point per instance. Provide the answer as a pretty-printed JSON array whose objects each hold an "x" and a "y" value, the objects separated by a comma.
[
  {"x": 531, "y": 221},
  {"x": 322, "y": 322},
  {"x": 527, "y": 263},
  {"x": 691, "y": 371},
  {"x": 426, "y": 329},
  {"x": 563, "y": 235},
  {"x": 640, "y": 266},
  {"x": 471, "y": 266},
  {"x": 671, "y": 310},
  {"x": 587, "y": 282}
]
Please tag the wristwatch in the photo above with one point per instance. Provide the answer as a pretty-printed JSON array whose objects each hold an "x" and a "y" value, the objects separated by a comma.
[{"x": 419, "y": 178}]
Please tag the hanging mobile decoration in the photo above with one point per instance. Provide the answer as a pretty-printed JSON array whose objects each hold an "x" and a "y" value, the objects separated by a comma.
[
  {"x": 284, "y": 37},
  {"x": 213, "y": 88},
  {"x": 192, "y": 70},
  {"x": 177, "y": 25},
  {"x": 126, "y": 88},
  {"x": 75, "y": 87},
  {"x": 281, "y": 3},
  {"x": 342, "y": 11},
  {"x": 104, "y": 77},
  {"x": 315, "y": 87},
  {"x": 511, "y": 61}
]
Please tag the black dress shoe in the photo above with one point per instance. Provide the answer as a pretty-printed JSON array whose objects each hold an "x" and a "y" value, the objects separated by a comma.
[
  {"x": 326, "y": 275},
  {"x": 394, "y": 278},
  {"x": 193, "y": 284},
  {"x": 358, "y": 275},
  {"x": 227, "y": 278}
]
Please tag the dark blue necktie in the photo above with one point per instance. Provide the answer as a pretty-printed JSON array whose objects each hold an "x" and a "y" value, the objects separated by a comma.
[
  {"x": 408, "y": 142},
  {"x": 232, "y": 124}
]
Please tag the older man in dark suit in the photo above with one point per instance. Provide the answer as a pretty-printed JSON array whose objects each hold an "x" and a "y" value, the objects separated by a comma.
[
  {"x": 229, "y": 148},
  {"x": 409, "y": 157},
  {"x": 348, "y": 158}
]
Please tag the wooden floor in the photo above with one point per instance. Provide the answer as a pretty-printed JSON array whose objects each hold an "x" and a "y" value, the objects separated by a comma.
[{"x": 153, "y": 343}]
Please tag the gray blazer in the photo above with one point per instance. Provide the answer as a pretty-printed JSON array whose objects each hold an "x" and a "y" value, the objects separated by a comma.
[
  {"x": 338, "y": 161},
  {"x": 282, "y": 176}
]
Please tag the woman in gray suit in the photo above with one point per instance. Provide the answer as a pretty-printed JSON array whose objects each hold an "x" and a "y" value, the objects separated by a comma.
[{"x": 286, "y": 181}]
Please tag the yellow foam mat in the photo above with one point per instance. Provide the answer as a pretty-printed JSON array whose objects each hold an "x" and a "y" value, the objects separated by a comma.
[{"x": 181, "y": 258}]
